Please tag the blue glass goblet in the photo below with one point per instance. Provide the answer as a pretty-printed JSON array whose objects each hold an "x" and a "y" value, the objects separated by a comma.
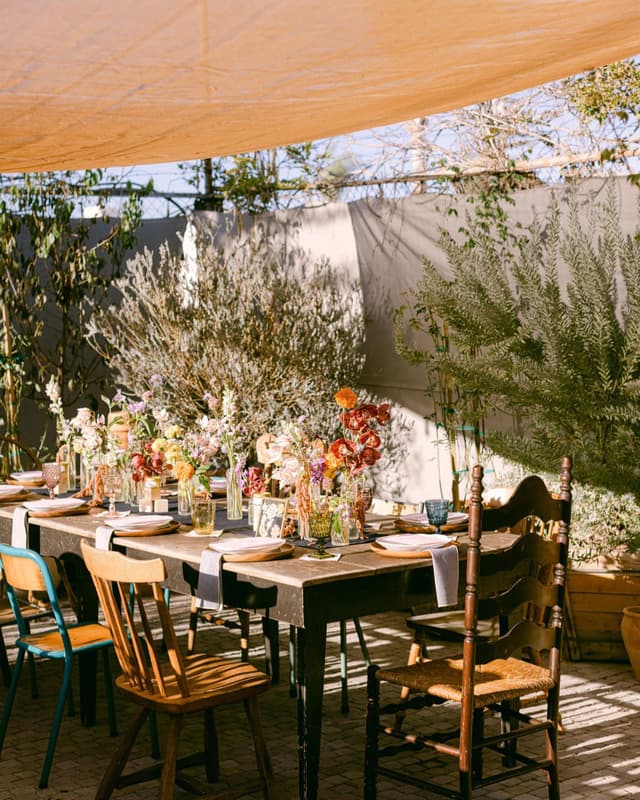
[{"x": 437, "y": 512}]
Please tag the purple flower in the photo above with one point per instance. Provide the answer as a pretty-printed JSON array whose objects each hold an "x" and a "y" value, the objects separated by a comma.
[
  {"x": 118, "y": 397},
  {"x": 155, "y": 379},
  {"x": 137, "y": 408}
]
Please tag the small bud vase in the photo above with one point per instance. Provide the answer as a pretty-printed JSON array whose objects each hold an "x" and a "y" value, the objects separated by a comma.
[
  {"x": 185, "y": 497},
  {"x": 234, "y": 495}
]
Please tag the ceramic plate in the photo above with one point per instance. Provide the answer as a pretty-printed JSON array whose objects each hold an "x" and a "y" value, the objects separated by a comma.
[
  {"x": 454, "y": 518},
  {"x": 413, "y": 541},
  {"x": 33, "y": 475},
  {"x": 54, "y": 505},
  {"x": 138, "y": 522},
  {"x": 246, "y": 545},
  {"x": 12, "y": 490}
]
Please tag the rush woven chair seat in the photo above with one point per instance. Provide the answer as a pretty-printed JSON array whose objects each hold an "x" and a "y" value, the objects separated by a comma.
[
  {"x": 28, "y": 571},
  {"x": 160, "y": 679},
  {"x": 491, "y": 674}
]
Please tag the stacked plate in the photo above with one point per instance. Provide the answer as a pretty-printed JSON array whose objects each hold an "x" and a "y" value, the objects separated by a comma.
[
  {"x": 246, "y": 544},
  {"x": 9, "y": 491},
  {"x": 218, "y": 484},
  {"x": 414, "y": 542},
  {"x": 59, "y": 505},
  {"x": 30, "y": 478},
  {"x": 420, "y": 522},
  {"x": 139, "y": 522}
]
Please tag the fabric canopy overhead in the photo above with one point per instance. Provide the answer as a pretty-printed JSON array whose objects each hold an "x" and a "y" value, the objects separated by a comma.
[{"x": 86, "y": 83}]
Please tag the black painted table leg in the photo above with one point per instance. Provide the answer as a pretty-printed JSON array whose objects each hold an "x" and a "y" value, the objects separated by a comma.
[{"x": 310, "y": 656}]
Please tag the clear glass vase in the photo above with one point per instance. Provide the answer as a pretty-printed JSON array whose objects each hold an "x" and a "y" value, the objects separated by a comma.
[
  {"x": 185, "y": 497},
  {"x": 234, "y": 495}
]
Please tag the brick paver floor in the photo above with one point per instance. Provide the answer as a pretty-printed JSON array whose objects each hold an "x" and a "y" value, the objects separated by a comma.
[{"x": 599, "y": 751}]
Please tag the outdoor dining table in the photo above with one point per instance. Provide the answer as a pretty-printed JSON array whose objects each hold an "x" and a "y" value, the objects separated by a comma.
[{"x": 307, "y": 594}]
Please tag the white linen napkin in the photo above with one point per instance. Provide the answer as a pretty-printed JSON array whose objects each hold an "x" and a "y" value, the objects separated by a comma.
[
  {"x": 103, "y": 537},
  {"x": 209, "y": 590},
  {"x": 445, "y": 574},
  {"x": 20, "y": 528}
]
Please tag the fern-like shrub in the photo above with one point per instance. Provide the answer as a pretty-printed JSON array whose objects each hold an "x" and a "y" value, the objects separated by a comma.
[
  {"x": 545, "y": 326},
  {"x": 283, "y": 331}
]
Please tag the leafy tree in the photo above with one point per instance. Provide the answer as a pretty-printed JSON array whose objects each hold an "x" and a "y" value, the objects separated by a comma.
[
  {"x": 56, "y": 266},
  {"x": 558, "y": 350}
]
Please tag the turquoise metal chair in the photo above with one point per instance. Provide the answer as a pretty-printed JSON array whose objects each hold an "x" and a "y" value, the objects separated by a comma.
[{"x": 26, "y": 570}]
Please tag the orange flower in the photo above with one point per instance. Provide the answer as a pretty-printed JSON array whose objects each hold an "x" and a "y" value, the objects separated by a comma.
[
  {"x": 183, "y": 471},
  {"x": 346, "y": 397}
]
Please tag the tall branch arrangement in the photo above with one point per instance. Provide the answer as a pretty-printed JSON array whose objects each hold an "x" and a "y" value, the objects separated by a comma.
[{"x": 278, "y": 329}]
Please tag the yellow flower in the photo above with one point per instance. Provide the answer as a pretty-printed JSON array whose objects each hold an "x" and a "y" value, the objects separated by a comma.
[
  {"x": 331, "y": 465},
  {"x": 159, "y": 445},
  {"x": 183, "y": 471},
  {"x": 172, "y": 452},
  {"x": 346, "y": 397},
  {"x": 173, "y": 432}
]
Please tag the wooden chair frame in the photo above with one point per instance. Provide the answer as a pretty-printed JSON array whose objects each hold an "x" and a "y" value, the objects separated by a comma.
[
  {"x": 158, "y": 678},
  {"x": 26, "y": 570},
  {"x": 488, "y": 676}
]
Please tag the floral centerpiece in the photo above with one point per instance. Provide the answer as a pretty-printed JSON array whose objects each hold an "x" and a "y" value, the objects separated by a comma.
[{"x": 356, "y": 450}]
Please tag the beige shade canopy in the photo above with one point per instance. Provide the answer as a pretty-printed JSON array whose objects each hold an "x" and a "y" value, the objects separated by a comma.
[{"x": 91, "y": 83}]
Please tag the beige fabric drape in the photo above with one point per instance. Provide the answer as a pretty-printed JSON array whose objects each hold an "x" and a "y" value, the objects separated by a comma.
[{"x": 87, "y": 83}]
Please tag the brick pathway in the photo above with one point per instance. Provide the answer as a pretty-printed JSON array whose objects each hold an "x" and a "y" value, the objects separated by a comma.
[{"x": 600, "y": 751}]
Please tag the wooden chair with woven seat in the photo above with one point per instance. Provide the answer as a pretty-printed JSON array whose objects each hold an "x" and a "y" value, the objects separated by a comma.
[
  {"x": 161, "y": 680},
  {"x": 491, "y": 674},
  {"x": 448, "y": 626},
  {"x": 28, "y": 571}
]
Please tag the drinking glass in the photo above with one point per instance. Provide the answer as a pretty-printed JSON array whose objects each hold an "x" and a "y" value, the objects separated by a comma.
[
  {"x": 51, "y": 474},
  {"x": 112, "y": 486},
  {"x": 320, "y": 524},
  {"x": 437, "y": 512},
  {"x": 203, "y": 515}
]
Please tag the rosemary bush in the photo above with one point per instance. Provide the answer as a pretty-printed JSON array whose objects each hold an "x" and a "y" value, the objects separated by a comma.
[{"x": 281, "y": 330}]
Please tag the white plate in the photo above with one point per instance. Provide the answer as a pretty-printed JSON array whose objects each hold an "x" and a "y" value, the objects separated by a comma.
[
  {"x": 12, "y": 490},
  {"x": 33, "y": 475},
  {"x": 138, "y": 522},
  {"x": 413, "y": 541},
  {"x": 67, "y": 504},
  {"x": 453, "y": 518},
  {"x": 246, "y": 544}
]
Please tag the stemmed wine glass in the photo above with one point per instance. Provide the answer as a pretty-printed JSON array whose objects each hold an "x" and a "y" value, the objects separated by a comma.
[
  {"x": 112, "y": 485},
  {"x": 437, "y": 512},
  {"x": 51, "y": 474},
  {"x": 320, "y": 524}
]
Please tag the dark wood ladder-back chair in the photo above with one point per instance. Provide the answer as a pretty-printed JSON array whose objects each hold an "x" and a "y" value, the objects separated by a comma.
[
  {"x": 448, "y": 626},
  {"x": 158, "y": 678},
  {"x": 492, "y": 673}
]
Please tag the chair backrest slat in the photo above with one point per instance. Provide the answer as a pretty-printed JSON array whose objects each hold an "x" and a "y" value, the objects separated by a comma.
[
  {"x": 138, "y": 652},
  {"x": 527, "y": 590},
  {"x": 524, "y": 634}
]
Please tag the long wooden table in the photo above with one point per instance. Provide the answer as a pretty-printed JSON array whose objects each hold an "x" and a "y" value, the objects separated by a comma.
[{"x": 306, "y": 594}]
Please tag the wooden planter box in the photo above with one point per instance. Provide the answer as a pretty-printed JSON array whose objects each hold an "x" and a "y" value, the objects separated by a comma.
[{"x": 595, "y": 600}]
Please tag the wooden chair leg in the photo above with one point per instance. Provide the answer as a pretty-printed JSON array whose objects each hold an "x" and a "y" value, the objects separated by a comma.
[
  {"x": 211, "y": 753},
  {"x": 292, "y": 661},
  {"x": 478, "y": 735},
  {"x": 120, "y": 757},
  {"x": 415, "y": 653},
  {"x": 193, "y": 625},
  {"x": 262, "y": 756},
  {"x": 344, "y": 688},
  {"x": 168, "y": 775}
]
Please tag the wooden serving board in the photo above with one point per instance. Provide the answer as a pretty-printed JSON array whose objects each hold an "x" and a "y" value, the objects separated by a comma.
[
  {"x": 17, "y": 497},
  {"x": 63, "y": 512},
  {"x": 271, "y": 555},
  {"x": 172, "y": 527},
  {"x": 415, "y": 527},
  {"x": 383, "y": 551},
  {"x": 34, "y": 484}
]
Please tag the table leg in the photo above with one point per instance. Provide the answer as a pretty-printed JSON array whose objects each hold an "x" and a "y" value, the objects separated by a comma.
[
  {"x": 82, "y": 585},
  {"x": 310, "y": 657}
]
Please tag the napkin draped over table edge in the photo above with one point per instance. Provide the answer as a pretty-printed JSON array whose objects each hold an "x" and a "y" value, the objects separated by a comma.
[
  {"x": 104, "y": 534},
  {"x": 20, "y": 528},
  {"x": 445, "y": 575},
  {"x": 209, "y": 589}
]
